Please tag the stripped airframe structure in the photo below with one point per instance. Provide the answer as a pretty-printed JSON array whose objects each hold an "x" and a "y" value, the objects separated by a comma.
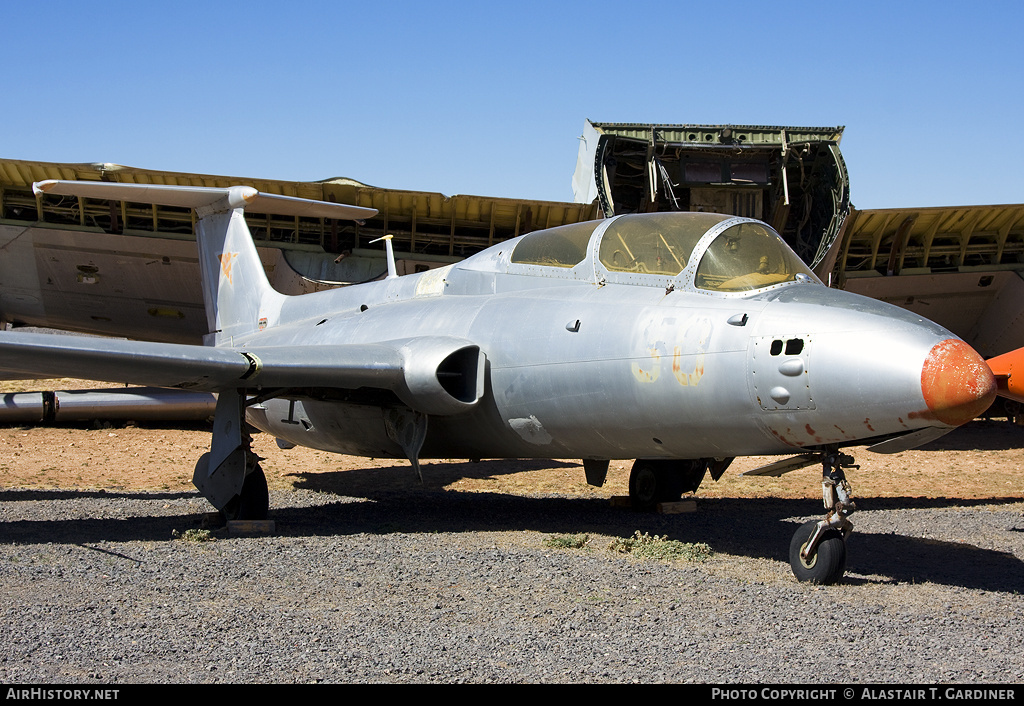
[
  {"x": 793, "y": 178},
  {"x": 958, "y": 266}
]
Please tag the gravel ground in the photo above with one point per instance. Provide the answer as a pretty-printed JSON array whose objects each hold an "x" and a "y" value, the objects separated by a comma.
[{"x": 443, "y": 586}]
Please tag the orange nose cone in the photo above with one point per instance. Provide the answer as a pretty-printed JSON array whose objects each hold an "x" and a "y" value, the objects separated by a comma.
[{"x": 956, "y": 382}]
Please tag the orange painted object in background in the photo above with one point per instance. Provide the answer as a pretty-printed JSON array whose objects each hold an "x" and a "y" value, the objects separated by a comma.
[{"x": 1009, "y": 371}]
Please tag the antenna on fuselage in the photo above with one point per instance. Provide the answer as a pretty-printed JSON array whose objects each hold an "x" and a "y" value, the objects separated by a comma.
[{"x": 392, "y": 270}]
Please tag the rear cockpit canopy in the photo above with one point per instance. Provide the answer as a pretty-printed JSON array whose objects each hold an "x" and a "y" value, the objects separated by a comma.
[
  {"x": 564, "y": 246},
  {"x": 706, "y": 252}
]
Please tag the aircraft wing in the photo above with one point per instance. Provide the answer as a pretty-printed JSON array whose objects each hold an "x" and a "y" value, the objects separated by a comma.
[
  {"x": 434, "y": 375},
  {"x": 955, "y": 265}
]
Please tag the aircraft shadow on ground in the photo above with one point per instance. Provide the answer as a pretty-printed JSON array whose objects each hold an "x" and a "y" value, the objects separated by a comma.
[
  {"x": 384, "y": 482},
  {"x": 33, "y": 494},
  {"x": 755, "y": 528},
  {"x": 980, "y": 435},
  {"x": 369, "y": 482}
]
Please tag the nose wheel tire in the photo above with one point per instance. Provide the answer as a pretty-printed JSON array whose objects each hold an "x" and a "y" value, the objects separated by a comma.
[{"x": 828, "y": 563}]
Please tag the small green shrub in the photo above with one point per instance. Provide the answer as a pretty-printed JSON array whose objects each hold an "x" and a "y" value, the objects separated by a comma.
[
  {"x": 656, "y": 547},
  {"x": 193, "y": 535},
  {"x": 567, "y": 541}
]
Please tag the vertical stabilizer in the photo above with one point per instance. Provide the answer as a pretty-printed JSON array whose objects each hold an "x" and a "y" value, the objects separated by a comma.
[{"x": 239, "y": 299}]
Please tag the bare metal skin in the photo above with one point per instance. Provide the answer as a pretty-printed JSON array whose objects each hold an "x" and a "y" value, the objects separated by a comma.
[{"x": 678, "y": 339}]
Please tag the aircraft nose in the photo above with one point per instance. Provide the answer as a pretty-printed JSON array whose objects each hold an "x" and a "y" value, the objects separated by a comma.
[{"x": 956, "y": 382}]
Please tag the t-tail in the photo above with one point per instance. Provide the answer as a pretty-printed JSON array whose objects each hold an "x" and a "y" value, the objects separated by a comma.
[{"x": 239, "y": 298}]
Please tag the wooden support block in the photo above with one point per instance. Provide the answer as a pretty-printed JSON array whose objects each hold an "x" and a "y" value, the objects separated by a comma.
[
  {"x": 251, "y": 527},
  {"x": 677, "y": 507}
]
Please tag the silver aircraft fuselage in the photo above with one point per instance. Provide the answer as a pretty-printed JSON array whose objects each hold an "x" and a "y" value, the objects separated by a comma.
[
  {"x": 677, "y": 339},
  {"x": 616, "y": 357}
]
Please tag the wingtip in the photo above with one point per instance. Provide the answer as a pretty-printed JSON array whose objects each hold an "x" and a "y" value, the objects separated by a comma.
[{"x": 41, "y": 187}]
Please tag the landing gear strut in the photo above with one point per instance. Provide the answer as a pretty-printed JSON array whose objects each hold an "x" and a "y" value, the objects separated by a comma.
[
  {"x": 817, "y": 552},
  {"x": 229, "y": 474}
]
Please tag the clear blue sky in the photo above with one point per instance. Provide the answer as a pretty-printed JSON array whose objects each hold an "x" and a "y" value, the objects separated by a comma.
[{"x": 489, "y": 98}]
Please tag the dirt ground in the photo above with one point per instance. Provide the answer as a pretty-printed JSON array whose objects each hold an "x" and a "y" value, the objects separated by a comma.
[{"x": 981, "y": 460}]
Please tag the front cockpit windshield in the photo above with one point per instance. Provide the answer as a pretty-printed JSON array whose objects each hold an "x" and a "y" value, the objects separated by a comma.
[
  {"x": 654, "y": 243},
  {"x": 748, "y": 256}
]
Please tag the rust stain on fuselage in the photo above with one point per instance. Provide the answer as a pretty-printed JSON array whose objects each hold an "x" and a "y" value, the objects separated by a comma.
[
  {"x": 687, "y": 379},
  {"x": 648, "y": 374}
]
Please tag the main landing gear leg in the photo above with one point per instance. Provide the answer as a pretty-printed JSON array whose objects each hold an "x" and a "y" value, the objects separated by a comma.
[
  {"x": 253, "y": 500},
  {"x": 818, "y": 550},
  {"x": 664, "y": 480},
  {"x": 229, "y": 474}
]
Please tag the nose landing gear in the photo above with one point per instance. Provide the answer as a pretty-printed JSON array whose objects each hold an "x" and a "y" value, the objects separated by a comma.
[{"x": 817, "y": 552}]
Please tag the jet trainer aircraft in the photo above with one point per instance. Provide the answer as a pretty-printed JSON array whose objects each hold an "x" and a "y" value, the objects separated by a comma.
[{"x": 677, "y": 339}]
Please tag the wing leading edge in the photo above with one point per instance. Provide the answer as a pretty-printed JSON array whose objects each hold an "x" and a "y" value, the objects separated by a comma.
[{"x": 433, "y": 375}]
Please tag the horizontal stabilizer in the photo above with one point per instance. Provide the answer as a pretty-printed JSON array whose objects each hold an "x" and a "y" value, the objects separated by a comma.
[{"x": 203, "y": 198}]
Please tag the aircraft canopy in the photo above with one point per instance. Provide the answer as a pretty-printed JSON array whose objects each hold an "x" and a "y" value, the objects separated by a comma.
[
  {"x": 652, "y": 248},
  {"x": 564, "y": 246}
]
